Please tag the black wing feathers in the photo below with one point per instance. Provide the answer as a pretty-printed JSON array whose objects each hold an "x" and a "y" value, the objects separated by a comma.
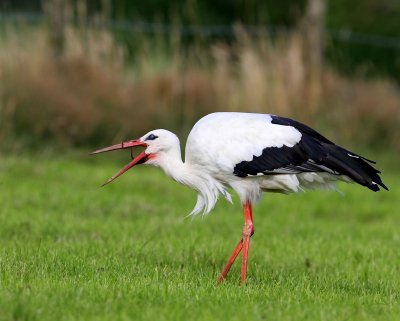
[
  {"x": 313, "y": 153},
  {"x": 304, "y": 129}
]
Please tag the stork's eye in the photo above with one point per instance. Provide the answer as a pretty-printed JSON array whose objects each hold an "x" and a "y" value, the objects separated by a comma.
[{"x": 151, "y": 137}]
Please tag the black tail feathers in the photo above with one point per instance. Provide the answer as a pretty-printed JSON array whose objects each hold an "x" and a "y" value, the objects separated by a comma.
[{"x": 356, "y": 167}]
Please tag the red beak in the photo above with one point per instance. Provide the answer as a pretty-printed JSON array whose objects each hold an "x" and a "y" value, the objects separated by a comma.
[{"x": 141, "y": 158}]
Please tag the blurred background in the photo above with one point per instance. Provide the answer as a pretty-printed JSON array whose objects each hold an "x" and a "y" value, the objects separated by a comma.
[{"x": 82, "y": 73}]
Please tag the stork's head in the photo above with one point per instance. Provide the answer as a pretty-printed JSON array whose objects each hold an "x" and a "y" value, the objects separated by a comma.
[{"x": 158, "y": 143}]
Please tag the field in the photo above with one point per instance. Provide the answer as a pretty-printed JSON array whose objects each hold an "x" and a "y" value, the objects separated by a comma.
[{"x": 70, "y": 250}]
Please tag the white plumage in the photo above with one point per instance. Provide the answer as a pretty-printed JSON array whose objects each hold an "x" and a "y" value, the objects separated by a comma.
[
  {"x": 249, "y": 153},
  {"x": 219, "y": 141}
]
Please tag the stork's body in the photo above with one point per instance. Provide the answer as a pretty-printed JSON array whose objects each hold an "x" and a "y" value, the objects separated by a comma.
[{"x": 250, "y": 153}]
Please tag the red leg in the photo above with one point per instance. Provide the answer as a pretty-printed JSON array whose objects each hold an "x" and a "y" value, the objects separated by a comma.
[
  {"x": 248, "y": 231},
  {"x": 230, "y": 261},
  {"x": 244, "y": 244}
]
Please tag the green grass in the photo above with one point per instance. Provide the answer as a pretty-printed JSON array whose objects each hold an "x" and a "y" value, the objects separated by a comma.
[{"x": 70, "y": 250}]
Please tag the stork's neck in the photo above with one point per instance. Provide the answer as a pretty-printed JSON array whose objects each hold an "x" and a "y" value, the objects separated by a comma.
[
  {"x": 197, "y": 178},
  {"x": 171, "y": 163}
]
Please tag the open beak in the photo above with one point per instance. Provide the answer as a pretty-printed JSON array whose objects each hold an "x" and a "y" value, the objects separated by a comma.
[{"x": 141, "y": 158}]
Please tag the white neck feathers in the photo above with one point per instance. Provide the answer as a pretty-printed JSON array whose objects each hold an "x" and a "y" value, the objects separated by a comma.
[{"x": 207, "y": 187}]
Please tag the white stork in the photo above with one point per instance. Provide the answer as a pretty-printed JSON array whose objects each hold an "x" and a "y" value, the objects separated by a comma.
[{"x": 249, "y": 153}]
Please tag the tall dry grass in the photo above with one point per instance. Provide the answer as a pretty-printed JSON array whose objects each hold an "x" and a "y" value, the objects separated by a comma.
[{"x": 91, "y": 93}]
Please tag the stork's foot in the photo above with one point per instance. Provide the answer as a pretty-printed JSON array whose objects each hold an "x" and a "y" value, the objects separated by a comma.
[{"x": 243, "y": 245}]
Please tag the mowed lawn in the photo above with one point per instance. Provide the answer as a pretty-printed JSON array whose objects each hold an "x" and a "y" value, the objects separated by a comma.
[{"x": 70, "y": 250}]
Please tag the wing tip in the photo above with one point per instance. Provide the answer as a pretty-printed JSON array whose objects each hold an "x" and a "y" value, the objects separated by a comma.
[{"x": 374, "y": 186}]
